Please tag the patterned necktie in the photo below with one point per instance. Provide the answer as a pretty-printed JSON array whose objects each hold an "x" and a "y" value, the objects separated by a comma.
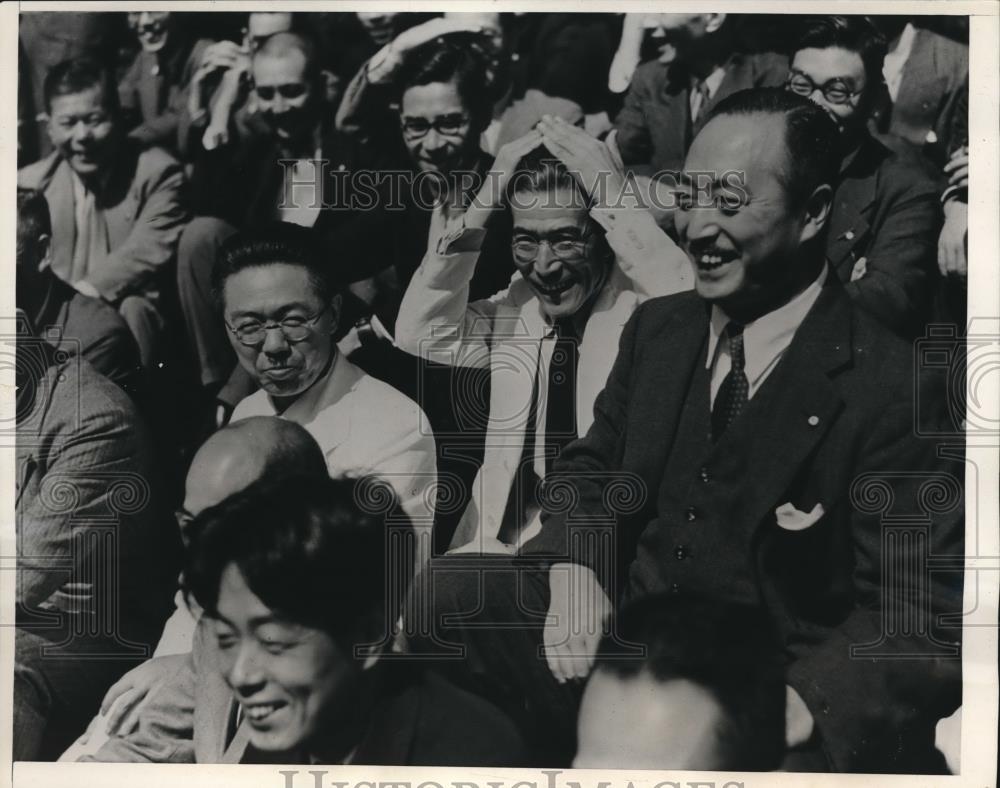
[{"x": 734, "y": 392}]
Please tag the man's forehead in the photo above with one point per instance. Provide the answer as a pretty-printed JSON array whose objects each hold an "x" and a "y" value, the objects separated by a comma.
[
  {"x": 829, "y": 63},
  {"x": 548, "y": 210},
  {"x": 278, "y": 282},
  {"x": 83, "y": 100},
  {"x": 290, "y": 66},
  {"x": 741, "y": 142}
]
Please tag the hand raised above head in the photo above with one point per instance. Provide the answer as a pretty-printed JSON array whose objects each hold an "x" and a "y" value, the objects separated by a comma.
[{"x": 591, "y": 162}]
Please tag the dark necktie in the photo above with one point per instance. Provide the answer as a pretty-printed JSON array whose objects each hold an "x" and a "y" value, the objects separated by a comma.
[
  {"x": 560, "y": 409},
  {"x": 734, "y": 392}
]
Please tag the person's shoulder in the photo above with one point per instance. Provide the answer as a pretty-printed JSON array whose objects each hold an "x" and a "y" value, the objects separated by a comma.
[
  {"x": 649, "y": 76},
  {"x": 654, "y": 312},
  {"x": 153, "y": 160},
  {"x": 38, "y": 174},
  {"x": 384, "y": 405},
  {"x": 768, "y": 63},
  {"x": 900, "y": 166},
  {"x": 85, "y": 402},
  {"x": 470, "y": 727},
  {"x": 946, "y": 50}
]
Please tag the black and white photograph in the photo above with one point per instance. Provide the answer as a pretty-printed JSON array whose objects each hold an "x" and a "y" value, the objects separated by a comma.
[{"x": 518, "y": 388}]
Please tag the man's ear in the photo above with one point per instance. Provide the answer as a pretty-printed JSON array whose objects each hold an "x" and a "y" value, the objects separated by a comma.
[
  {"x": 817, "y": 212},
  {"x": 713, "y": 22},
  {"x": 44, "y": 252},
  {"x": 336, "y": 307}
]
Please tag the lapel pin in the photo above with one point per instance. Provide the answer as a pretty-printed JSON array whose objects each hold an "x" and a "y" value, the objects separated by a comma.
[
  {"x": 849, "y": 235},
  {"x": 813, "y": 421}
]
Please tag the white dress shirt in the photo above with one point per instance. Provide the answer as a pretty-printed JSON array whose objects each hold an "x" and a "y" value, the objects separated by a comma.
[
  {"x": 765, "y": 340},
  {"x": 364, "y": 427},
  {"x": 302, "y": 191},
  {"x": 711, "y": 84}
]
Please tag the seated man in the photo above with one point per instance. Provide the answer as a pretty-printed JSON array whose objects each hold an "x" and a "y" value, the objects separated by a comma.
[
  {"x": 281, "y": 309},
  {"x": 288, "y": 665},
  {"x": 583, "y": 267},
  {"x": 734, "y": 455},
  {"x": 242, "y": 183},
  {"x": 885, "y": 216},
  {"x": 116, "y": 209},
  {"x": 67, "y": 319},
  {"x": 96, "y": 560},
  {"x": 685, "y": 685},
  {"x": 229, "y": 461},
  {"x": 154, "y": 90},
  {"x": 669, "y": 98}
]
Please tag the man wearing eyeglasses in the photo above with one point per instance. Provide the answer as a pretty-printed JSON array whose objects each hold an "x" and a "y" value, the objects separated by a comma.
[
  {"x": 281, "y": 311},
  {"x": 885, "y": 217},
  {"x": 584, "y": 262},
  {"x": 269, "y": 167}
]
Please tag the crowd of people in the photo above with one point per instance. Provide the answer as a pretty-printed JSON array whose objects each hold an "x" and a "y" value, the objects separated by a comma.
[{"x": 488, "y": 389}]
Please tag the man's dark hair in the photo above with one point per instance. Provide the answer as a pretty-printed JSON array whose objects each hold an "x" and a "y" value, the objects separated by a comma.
[
  {"x": 456, "y": 58},
  {"x": 77, "y": 75},
  {"x": 539, "y": 171},
  {"x": 811, "y": 137},
  {"x": 312, "y": 549},
  {"x": 276, "y": 242},
  {"x": 854, "y": 33},
  {"x": 727, "y": 649},
  {"x": 33, "y": 221}
]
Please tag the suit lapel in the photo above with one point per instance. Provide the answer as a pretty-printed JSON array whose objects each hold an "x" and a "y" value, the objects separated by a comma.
[
  {"x": 671, "y": 359},
  {"x": 801, "y": 407},
  {"x": 853, "y": 202}
]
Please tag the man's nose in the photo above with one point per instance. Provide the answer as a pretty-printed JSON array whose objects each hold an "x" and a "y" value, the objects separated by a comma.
[
  {"x": 546, "y": 264},
  {"x": 82, "y": 132},
  {"x": 434, "y": 140},
  {"x": 698, "y": 223},
  {"x": 246, "y": 674},
  {"x": 275, "y": 342}
]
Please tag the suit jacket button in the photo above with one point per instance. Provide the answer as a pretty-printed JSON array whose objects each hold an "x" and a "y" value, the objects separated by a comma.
[
  {"x": 703, "y": 475},
  {"x": 675, "y": 589},
  {"x": 681, "y": 552},
  {"x": 691, "y": 514}
]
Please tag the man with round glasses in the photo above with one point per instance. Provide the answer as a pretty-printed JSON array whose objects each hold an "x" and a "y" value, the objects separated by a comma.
[
  {"x": 281, "y": 311},
  {"x": 585, "y": 258},
  {"x": 885, "y": 219}
]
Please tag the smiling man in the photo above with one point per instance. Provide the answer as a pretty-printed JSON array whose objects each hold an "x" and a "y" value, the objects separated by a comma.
[
  {"x": 116, "y": 206},
  {"x": 281, "y": 310},
  {"x": 885, "y": 215},
  {"x": 745, "y": 412},
  {"x": 582, "y": 268}
]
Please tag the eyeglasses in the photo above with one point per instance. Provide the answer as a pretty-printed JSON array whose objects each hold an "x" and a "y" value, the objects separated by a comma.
[
  {"x": 446, "y": 125},
  {"x": 295, "y": 329},
  {"x": 290, "y": 90},
  {"x": 836, "y": 91},
  {"x": 564, "y": 247}
]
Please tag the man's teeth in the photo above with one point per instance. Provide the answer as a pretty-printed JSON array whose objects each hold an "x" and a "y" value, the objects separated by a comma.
[
  {"x": 710, "y": 259},
  {"x": 260, "y": 711}
]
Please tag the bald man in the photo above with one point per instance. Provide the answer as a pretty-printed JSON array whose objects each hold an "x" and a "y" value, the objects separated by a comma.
[{"x": 229, "y": 461}]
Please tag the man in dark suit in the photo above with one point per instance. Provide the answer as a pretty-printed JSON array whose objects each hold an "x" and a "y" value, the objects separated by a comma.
[
  {"x": 734, "y": 455},
  {"x": 885, "y": 217},
  {"x": 669, "y": 98}
]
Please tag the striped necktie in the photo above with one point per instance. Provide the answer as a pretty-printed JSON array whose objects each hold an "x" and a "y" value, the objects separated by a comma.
[{"x": 734, "y": 392}]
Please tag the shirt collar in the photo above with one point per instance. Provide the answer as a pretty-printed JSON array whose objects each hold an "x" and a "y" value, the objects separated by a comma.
[
  {"x": 714, "y": 80},
  {"x": 768, "y": 336}
]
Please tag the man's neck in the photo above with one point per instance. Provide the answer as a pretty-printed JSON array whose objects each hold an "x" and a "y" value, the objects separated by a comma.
[
  {"x": 341, "y": 738},
  {"x": 748, "y": 313}
]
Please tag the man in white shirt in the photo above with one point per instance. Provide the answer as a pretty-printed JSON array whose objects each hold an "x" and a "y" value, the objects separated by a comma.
[
  {"x": 281, "y": 310},
  {"x": 731, "y": 458},
  {"x": 584, "y": 262}
]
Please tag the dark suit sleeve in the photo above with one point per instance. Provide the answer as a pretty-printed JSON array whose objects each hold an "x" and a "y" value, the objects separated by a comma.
[
  {"x": 902, "y": 258},
  {"x": 906, "y": 675},
  {"x": 582, "y": 473},
  {"x": 633, "y": 137}
]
